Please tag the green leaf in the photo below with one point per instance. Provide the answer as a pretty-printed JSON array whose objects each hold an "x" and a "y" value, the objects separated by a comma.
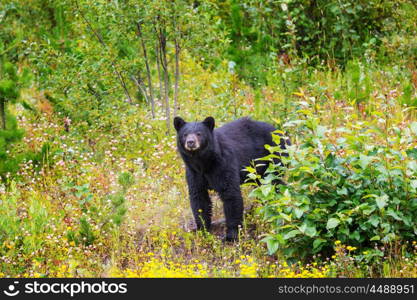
[
  {"x": 374, "y": 220},
  {"x": 272, "y": 245},
  {"x": 342, "y": 191},
  {"x": 412, "y": 153},
  {"x": 375, "y": 238},
  {"x": 291, "y": 234},
  {"x": 413, "y": 184},
  {"x": 369, "y": 210},
  {"x": 308, "y": 230},
  {"x": 252, "y": 176},
  {"x": 250, "y": 169},
  {"x": 355, "y": 235},
  {"x": 381, "y": 201},
  {"x": 393, "y": 214},
  {"x": 266, "y": 189},
  {"x": 412, "y": 165},
  {"x": 332, "y": 223},
  {"x": 413, "y": 127},
  {"x": 306, "y": 170},
  {"x": 317, "y": 244},
  {"x": 321, "y": 130},
  {"x": 311, "y": 231},
  {"x": 298, "y": 212},
  {"x": 364, "y": 160},
  {"x": 285, "y": 217}
]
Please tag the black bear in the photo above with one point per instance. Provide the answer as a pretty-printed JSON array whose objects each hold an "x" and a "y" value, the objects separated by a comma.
[{"x": 215, "y": 159}]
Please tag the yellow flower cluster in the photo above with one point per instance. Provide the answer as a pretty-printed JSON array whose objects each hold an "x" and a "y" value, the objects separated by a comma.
[
  {"x": 63, "y": 271},
  {"x": 304, "y": 273},
  {"x": 339, "y": 247},
  {"x": 299, "y": 271},
  {"x": 247, "y": 266},
  {"x": 155, "y": 268}
]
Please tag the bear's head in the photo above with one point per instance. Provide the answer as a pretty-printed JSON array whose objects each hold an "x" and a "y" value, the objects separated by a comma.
[{"x": 194, "y": 137}]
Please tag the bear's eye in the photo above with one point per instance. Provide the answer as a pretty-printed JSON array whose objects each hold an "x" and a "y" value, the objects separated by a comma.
[{"x": 198, "y": 133}]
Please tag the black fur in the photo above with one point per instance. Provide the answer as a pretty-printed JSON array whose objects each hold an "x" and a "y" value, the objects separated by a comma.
[{"x": 218, "y": 162}]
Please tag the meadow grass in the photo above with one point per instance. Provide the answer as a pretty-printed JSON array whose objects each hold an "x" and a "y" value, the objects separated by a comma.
[{"x": 115, "y": 204}]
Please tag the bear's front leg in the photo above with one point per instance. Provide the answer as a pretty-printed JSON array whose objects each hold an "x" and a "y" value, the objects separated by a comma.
[
  {"x": 199, "y": 199},
  {"x": 233, "y": 210}
]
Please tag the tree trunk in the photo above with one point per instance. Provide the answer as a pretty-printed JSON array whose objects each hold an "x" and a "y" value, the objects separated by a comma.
[
  {"x": 158, "y": 65},
  {"x": 177, "y": 36},
  {"x": 164, "y": 63},
  {"x": 141, "y": 87},
  {"x": 148, "y": 70},
  {"x": 177, "y": 75}
]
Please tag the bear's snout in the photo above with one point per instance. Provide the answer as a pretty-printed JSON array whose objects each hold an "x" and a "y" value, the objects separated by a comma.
[{"x": 191, "y": 142}]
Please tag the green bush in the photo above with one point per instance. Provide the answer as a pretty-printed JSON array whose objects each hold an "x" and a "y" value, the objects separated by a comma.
[
  {"x": 11, "y": 83},
  {"x": 263, "y": 32},
  {"x": 356, "y": 184}
]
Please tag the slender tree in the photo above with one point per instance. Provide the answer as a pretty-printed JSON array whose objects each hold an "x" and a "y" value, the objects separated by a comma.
[
  {"x": 165, "y": 71},
  {"x": 148, "y": 70},
  {"x": 177, "y": 37},
  {"x": 102, "y": 42},
  {"x": 158, "y": 67}
]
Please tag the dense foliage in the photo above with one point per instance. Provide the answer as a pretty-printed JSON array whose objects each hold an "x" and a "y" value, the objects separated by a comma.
[
  {"x": 10, "y": 85},
  {"x": 358, "y": 186},
  {"x": 329, "y": 32}
]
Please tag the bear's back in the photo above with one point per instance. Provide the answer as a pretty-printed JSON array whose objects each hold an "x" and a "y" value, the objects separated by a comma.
[
  {"x": 244, "y": 140},
  {"x": 243, "y": 129}
]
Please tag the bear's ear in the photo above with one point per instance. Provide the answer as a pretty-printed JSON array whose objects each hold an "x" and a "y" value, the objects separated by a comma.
[
  {"x": 209, "y": 122},
  {"x": 178, "y": 123}
]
